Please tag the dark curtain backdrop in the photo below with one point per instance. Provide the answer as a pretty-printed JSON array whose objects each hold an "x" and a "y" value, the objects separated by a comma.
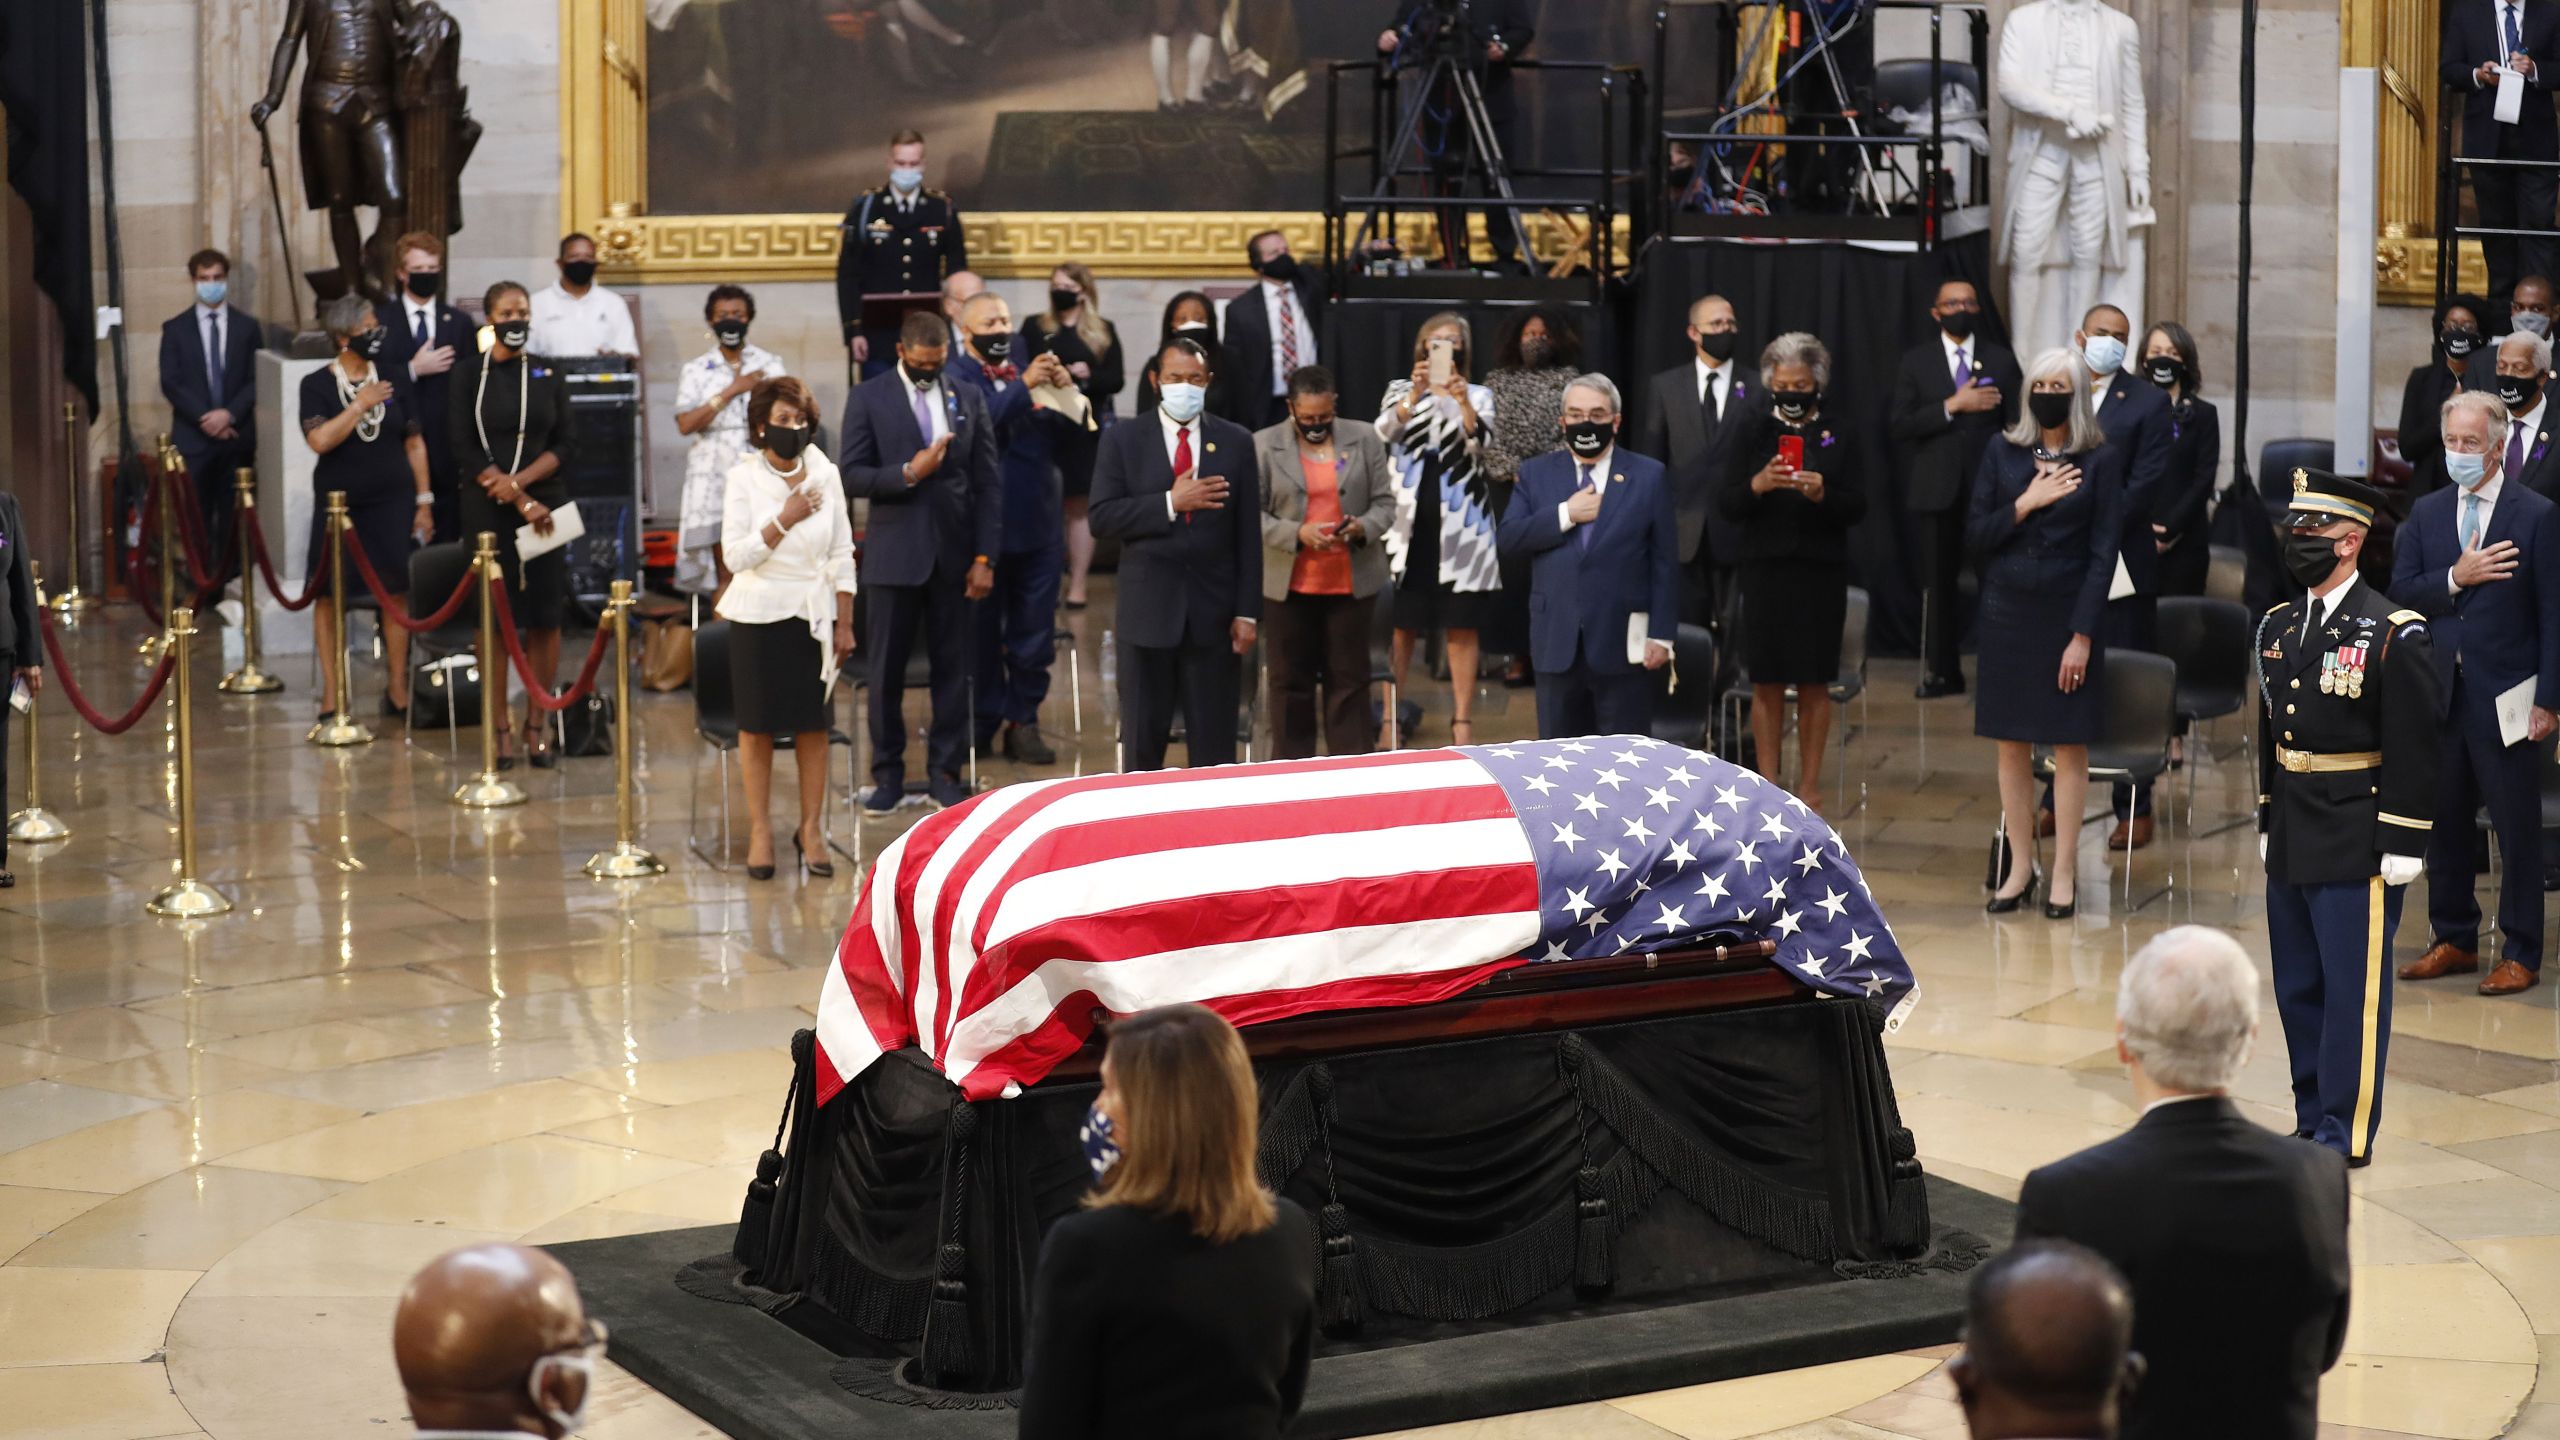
[{"x": 44, "y": 86}]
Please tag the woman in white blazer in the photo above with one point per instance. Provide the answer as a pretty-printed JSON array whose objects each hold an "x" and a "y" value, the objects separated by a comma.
[{"x": 788, "y": 544}]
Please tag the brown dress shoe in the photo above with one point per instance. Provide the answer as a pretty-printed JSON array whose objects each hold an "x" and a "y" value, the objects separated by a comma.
[
  {"x": 2509, "y": 978},
  {"x": 2442, "y": 958},
  {"x": 2044, "y": 824},
  {"x": 2130, "y": 834}
]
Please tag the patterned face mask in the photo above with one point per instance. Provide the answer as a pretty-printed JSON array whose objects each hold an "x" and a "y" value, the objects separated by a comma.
[{"x": 1100, "y": 1151}]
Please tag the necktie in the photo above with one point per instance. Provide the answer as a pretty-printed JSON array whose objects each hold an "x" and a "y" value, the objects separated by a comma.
[
  {"x": 419, "y": 334},
  {"x": 1964, "y": 369},
  {"x": 2515, "y": 449},
  {"x": 213, "y": 354},
  {"x": 2515, "y": 37},
  {"x": 924, "y": 414},
  {"x": 2470, "y": 521},
  {"x": 1715, "y": 396},
  {"x": 1582, "y": 533},
  {"x": 1288, "y": 335},
  {"x": 1182, "y": 457}
]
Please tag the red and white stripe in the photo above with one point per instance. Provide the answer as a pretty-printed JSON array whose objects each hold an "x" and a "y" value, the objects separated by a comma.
[{"x": 988, "y": 933}]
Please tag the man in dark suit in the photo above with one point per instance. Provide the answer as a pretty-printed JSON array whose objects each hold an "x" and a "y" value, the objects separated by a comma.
[
  {"x": 209, "y": 374},
  {"x": 2048, "y": 1346},
  {"x": 1271, "y": 330},
  {"x": 2480, "y": 36},
  {"x": 2480, "y": 559},
  {"x": 1953, "y": 392},
  {"x": 1598, "y": 525},
  {"x": 21, "y": 644},
  {"x": 923, "y": 453},
  {"x": 901, "y": 239},
  {"x": 1179, "y": 491},
  {"x": 1691, "y": 410},
  {"x": 425, "y": 334},
  {"x": 2233, "y": 1237},
  {"x": 2525, "y": 444},
  {"x": 1503, "y": 29}
]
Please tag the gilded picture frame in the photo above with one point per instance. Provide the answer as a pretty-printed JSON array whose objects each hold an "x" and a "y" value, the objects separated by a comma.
[{"x": 2398, "y": 39}]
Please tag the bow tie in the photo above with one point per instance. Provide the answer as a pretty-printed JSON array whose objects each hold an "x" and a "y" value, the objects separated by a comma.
[{"x": 1002, "y": 373}]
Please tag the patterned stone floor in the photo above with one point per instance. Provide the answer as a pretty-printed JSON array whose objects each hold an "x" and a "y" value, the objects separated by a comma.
[{"x": 224, "y": 1146}]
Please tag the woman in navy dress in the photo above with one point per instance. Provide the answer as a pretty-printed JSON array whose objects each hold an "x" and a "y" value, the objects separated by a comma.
[
  {"x": 2047, "y": 508},
  {"x": 366, "y": 434}
]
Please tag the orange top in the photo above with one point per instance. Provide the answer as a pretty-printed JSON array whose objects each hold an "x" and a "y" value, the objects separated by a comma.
[{"x": 1322, "y": 572}]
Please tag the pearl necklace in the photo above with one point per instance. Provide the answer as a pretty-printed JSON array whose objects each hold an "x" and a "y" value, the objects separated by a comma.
[{"x": 369, "y": 427}]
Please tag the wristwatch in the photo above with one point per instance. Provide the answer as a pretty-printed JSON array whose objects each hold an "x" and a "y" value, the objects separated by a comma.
[{"x": 426, "y": 497}]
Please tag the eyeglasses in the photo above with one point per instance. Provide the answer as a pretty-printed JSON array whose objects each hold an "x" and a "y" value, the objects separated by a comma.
[{"x": 591, "y": 1348}]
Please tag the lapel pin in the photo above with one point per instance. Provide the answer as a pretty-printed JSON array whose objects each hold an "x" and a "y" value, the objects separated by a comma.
[{"x": 1213, "y": 447}]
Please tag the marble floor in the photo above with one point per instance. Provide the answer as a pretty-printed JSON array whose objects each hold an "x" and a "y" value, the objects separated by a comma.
[{"x": 224, "y": 1145}]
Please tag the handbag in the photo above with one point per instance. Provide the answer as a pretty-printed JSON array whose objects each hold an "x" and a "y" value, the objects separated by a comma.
[
  {"x": 446, "y": 694},
  {"x": 666, "y": 654},
  {"x": 586, "y": 728}
]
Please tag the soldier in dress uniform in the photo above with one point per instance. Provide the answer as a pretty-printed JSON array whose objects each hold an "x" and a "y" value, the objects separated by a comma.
[
  {"x": 901, "y": 239},
  {"x": 2347, "y": 755}
]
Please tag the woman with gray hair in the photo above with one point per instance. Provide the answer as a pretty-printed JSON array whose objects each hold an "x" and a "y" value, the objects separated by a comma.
[
  {"x": 2047, "y": 508},
  {"x": 365, "y": 431},
  {"x": 1793, "y": 483}
]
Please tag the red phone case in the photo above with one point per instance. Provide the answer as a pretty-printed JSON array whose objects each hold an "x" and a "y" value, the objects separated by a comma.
[{"x": 1791, "y": 450}]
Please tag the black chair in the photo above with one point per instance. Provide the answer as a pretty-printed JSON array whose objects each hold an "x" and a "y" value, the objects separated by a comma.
[
  {"x": 1852, "y": 685},
  {"x": 2226, "y": 575},
  {"x": 447, "y": 656},
  {"x": 2278, "y": 459},
  {"x": 1684, "y": 703},
  {"x": 2133, "y": 743},
  {"x": 715, "y": 721},
  {"x": 2208, "y": 640}
]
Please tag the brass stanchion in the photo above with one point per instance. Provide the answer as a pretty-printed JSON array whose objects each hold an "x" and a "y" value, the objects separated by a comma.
[
  {"x": 626, "y": 860},
  {"x": 35, "y": 825},
  {"x": 190, "y": 898},
  {"x": 71, "y": 600},
  {"x": 171, "y": 465},
  {"x": 249, "y": 679},
  {"x": 489, "y": 790},
  {"x": 338, "y": 729}
]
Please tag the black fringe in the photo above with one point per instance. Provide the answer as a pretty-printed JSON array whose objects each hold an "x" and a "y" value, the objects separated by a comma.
[
  {"x": 755, "y": 1217},
  {"x": 882, "y": 1306},
  {"x": 717, "y": 1277},
  {"x": 1793, "y": 1221},
  {"x": 949, "y": 1348},
  {"x": 1595, "y": 1269},
  {"x": 894, "y": 1382},
  {"x": 1340, "y": 1297},
  {"x": 1494, "y": 1277},
  {"x": 1956, "y": 1251}
]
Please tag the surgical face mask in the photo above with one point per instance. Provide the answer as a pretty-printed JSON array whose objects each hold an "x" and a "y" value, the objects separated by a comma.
[
  {"x": 2532, "y": 322},
  {"x": 368, "y": 344},
  {"x": 577, "y": 1363},
  {"x": 993, "y": 347},
  {"x": 578, "y": 272},
  {"x": 1101, "y": 1150},
  {"x": 2465, "y": 470},
  {"x": 2459, "y": 341},
  {"x": 2051, "y": 408},
  {"x": 1794, "y": 405},
  {"x": 213, "y": 292},
  {"x": 2519, "y": 392},
  {"x": 1316, "y": 434},
  {"x": 732, "y": 334},
  {"x": 1958, "y": 323},
  {"x": 425, "y": 283},
  {"x": 1717, "y": 345},
  {"x": 2309, "y": 558},
  {"x": 1183, "y": 402},
  {"x": 2163, "y": 370},
  {"x": 2103, "y": 354},
  {"x": 786, "y": 441},
  {"x": 906, "y": 179},
  {"x": 515, "y": 334},
  {"x": 1587, "y": 438}
]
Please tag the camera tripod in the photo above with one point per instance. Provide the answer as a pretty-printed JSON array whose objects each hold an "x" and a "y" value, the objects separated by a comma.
[{"x": 1452, "y": 64}]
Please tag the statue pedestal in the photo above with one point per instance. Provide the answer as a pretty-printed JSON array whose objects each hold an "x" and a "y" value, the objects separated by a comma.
[{"x": 286, "y": 501}]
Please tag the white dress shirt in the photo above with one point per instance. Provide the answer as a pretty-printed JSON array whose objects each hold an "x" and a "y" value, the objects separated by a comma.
[
  {"x": 800, "y": 578},
  {"x": 1715, "y": 384},
  {"x": 213, "y": 333},
  {"x": 576, "y": 327},
  {"x": 1173, "y": 432},
  {"x": 413, "y": 310},
  {"x": 2201, "y": 1094},
  {"x": 1598, "y": 467},
  {"x": 2101, "y": 387},
  {"x": 2326, "y": 605},
  {"x": 933, "y": 399},
  {"x": 2487, "y": 494},
  {"x": 1275, "y": 294}
]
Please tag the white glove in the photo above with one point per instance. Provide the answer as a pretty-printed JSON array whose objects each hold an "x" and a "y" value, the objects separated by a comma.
[
  {"x": 2401, "y": 869},
  {"x": 2262, "y": 849},
  {"x": 2140, "y": 188}
]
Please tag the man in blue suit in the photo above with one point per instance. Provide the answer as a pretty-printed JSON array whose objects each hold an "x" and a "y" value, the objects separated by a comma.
[
  {"x": 425, "y": 336},
  {"x": 209, "y": 374},
  {"x": 2480, "y": 559},
  {"x": 1181, "y": 493},
  {"x": 1603, "y": 541},
  {"x": 922, "y": 452},
  {"x": 1016, "y": 640}
]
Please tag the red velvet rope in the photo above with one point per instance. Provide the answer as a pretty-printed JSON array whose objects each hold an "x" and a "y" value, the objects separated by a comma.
[
  {"x": 80, "y": 702},
  {"x": 544, "y": 699},
  {"x": 191, "y": 538},
  {"x": 311, "y": 583},
  {"x": 395, "y": 608},
  {"x": 137, "y": 571}
]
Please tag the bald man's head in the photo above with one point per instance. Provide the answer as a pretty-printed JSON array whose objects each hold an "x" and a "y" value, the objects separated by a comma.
[
  {"x": 494, "y": 1337},
  {"x": 2048, "y": 1338}
]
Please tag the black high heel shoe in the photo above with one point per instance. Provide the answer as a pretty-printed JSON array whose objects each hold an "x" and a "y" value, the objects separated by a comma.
[
  {"x": 2061, "y": 912},
  {"x": 818, "y": 869},
  {"x": 2006, "y": 904}
]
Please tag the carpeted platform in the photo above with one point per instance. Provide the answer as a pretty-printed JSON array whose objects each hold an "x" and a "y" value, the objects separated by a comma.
[{"x": 752, "y": 1375}]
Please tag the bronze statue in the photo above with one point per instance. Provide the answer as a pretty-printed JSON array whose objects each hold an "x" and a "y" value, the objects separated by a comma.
[{"x": 383, "y": 123}]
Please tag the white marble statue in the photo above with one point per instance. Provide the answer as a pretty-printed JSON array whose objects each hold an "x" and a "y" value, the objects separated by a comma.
[{"x": 2079, "y": 185}]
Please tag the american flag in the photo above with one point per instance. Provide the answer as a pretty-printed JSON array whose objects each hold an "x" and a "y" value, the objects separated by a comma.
[{"x": 990, "y": 932}]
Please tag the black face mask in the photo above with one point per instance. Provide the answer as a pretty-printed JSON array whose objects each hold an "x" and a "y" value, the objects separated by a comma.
[
  {"x": 1197, "y": 331},
  {"x": 1717, "y": 345},
  {"x": 368, "y": 346},
  {"x": 425, "y": 283},
  {"x": 516, "y": 334},
  {"x": 1587, "y": 438},
  {"x": 2458, "y": 341},
  {"x": 578, "y": 272},
  {"x": 2163, "y": 371},
  {"x": 1063, "y": 301},
  {"x": 922, "y": 378},
  {"x": 1283, "y": 268},
  {"x": 2051, "y": 408},
  {"x": 786, "y": 441},
  {"x": 732, "y": 334},
  {"x": 1794, "y": 405},
  {"x": 1316, "y": 434},
  {"x": 993, "y": 348},
  {"x": 1537, "y": 354},
  {"x": 2308, "y": 558},
  {"x": 2519, "y": 392},
  {"x": 1958, "y": 323}
]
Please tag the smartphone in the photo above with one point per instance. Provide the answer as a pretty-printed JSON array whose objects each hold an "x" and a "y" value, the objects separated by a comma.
[
  {"x": 1791, "y": 450},
  {"x": 1443, "y": 362}
]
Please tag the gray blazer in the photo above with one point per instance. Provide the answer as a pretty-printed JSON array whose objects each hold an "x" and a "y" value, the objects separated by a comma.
[{"x": 1368, "y": 496}]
